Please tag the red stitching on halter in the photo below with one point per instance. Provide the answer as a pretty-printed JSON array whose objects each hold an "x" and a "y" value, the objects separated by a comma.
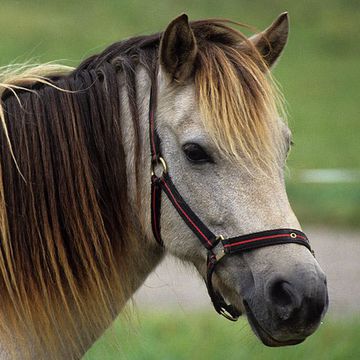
[
  {"x": 185, "y": 214},
  {"x": 262, "y": 238}
]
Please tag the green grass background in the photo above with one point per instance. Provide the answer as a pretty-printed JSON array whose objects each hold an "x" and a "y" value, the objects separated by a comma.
[
  {"x": 320, "y": 77},
  {"x": 180, "y": 336}
]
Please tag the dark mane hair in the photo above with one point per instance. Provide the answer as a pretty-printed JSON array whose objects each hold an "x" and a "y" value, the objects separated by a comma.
[
  {"x": 63, "y": 200},
  {"x": 64, "y": 210}
]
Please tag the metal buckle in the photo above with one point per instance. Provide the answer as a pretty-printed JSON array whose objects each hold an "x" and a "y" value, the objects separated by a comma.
[
  {"x": 221, "y": 254},
  {"x": 156, "y": 162},
  {"x": 227, "y": 315}
]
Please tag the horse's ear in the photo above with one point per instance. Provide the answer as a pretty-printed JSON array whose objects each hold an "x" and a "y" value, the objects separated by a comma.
[
  {"x": 178, "y": 49},
  {"x": 271, "y": 42}
]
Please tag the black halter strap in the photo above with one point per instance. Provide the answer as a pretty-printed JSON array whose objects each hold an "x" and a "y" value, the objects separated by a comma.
[{"x": 163, "y": 183}]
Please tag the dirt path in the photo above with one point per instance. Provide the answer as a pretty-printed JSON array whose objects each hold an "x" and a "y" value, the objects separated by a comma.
[{"x": 178, "y": 287}]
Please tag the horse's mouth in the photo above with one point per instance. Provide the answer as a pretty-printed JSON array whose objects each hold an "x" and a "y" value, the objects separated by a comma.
[{"x": 263, "y": 335}]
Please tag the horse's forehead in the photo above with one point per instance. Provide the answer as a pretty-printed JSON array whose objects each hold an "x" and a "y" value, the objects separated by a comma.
[
  {"x": 184, "y": 98},
  {"x": 182, "y": 104}
]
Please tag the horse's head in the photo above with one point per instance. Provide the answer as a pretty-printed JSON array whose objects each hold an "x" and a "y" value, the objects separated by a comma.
[{"x": 225, "y": 146}]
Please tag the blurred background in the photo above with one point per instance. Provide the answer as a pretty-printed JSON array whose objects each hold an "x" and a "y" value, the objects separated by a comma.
[{"x": 320, "y": 77}]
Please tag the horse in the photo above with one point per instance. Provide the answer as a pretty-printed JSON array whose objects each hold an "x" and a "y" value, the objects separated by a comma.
[{"x": 86, "y": 152}]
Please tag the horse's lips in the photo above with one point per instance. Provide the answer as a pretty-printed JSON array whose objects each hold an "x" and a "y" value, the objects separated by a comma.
[{"x": 263, "y": 335}]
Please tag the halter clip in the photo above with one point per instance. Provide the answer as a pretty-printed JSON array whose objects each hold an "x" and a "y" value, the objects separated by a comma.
[{"x": 156, "y": 162}]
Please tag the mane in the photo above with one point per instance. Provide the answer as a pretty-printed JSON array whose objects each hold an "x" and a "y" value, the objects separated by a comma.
[
  {"x": 239, "y": 101},
  {"x": 64, "y": 211}
]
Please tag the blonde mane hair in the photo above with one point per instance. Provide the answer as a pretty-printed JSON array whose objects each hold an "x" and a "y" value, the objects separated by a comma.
[
  {"x": 65, "y": 232},
  {"x": 239, "y": 100}
]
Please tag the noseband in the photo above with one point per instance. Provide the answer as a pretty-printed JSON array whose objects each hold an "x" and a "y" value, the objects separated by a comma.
[{"x": 207, "y": 238}]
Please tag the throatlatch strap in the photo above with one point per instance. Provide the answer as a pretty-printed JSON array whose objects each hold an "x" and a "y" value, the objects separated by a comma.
[{"x": 207, "y": 238}]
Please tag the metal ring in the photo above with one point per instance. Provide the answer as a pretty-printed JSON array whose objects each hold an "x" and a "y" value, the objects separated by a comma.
[
  {"x": 161, "y": 161},
  {"x": 293, "y": 235},
  {"x": 227, "y": 315}
]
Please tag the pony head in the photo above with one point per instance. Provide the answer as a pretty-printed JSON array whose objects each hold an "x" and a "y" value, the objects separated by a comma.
[{"x": 220, "y": 119}]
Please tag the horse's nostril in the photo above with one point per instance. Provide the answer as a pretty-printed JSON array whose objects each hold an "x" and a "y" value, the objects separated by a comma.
[
  {"x": 297, "y": 302},
  {"x": 280, "y": 293},
  {"x": 284, "y": 298}
]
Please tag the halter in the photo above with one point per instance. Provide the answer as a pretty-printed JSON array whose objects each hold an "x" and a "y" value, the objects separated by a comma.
[{"x": 208, "y": 239}]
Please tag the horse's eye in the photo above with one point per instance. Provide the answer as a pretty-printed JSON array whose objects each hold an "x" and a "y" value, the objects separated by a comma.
[{"x": 196, "y": 154}]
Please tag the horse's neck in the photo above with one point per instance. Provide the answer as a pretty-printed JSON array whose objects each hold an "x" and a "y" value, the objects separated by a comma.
[
  {"x": 146, "y": 253},
  {"x": 139, "y": 186},
  {"x": 147, "y": 250}
]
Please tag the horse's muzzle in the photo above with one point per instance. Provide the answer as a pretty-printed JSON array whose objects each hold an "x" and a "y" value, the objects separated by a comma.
[{"x": 295, "y": 304}]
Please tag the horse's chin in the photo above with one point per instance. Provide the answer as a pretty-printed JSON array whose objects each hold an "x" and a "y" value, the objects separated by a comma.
[{"x": 263, "y": 335}]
